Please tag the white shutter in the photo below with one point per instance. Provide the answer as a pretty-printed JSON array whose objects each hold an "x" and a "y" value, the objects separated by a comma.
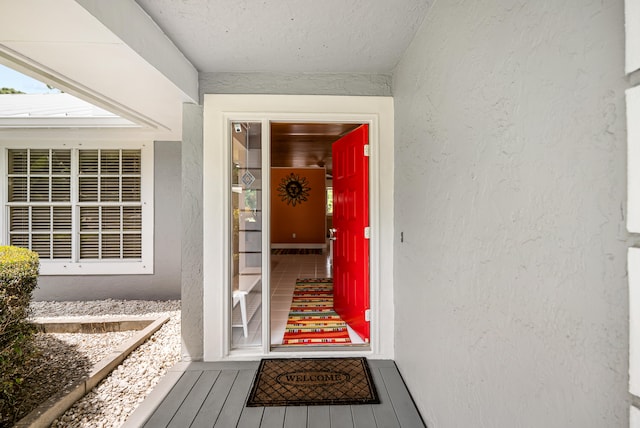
[
  {"x": 19, "y": 219},
  {"x": 131, "y": 162},
  {"x": 131, "y": 189},
  {"x": 109, "y": 189},
  {"x": 41, "y": 244},
  {"x": 89, "y": 228},
  {"x": 110, "y": 246},
  {"x": 89, "y": 246},
  {"x": 109, "y": 162},
  {"x": 88, "y": 175},
  {"x": 132, "y": 246},
  {"x": 17, "y": 162},
  {"x": 62, "y": 229},
  {"x": 19, "y": 226},
  {"x": 88, "y": 162},
  {"x": 41, "y": 218},
  {"x": 132, "y": 232},
  {"x": 17, "y": 189}
]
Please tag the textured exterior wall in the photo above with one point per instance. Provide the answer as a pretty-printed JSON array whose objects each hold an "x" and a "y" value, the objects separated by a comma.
[
  {"x": 510, "y": 285},
  {"x": 295, "y": 84},
  {"x": 192, "y": 255},
  {"x": 164, "y": 284}
]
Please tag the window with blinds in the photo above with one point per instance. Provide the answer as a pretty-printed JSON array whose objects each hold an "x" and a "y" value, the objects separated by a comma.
[{"x": 76, "y": 204}]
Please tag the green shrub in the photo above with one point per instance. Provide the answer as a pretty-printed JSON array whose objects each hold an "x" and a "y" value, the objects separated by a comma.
[{"x": 18, "y": 278}]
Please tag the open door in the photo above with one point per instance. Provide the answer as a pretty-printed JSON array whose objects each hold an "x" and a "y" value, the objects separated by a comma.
[{"x": 350, "y": 223}]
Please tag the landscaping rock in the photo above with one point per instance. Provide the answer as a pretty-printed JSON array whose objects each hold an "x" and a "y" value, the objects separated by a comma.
[{"x": 114, "y": 399}]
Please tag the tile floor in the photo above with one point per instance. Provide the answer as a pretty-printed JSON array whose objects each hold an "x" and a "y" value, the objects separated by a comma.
[{"x": 285, "y": 269}]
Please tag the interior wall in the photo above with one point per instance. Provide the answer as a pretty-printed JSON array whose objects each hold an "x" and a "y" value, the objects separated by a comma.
[
  {"x": 510, "y": 280},
  {"x": 164, "y": 283},
  {"x": 303, "y": 223}
]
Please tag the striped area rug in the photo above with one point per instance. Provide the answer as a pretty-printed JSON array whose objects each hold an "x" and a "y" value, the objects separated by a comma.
[{"x": 312, "y": 320}]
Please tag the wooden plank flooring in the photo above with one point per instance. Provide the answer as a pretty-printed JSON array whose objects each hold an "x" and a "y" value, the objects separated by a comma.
[{"x": 213, "y": 395}]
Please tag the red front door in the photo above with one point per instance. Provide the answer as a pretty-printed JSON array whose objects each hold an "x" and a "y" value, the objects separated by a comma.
[{"x": 350, "y": 218}]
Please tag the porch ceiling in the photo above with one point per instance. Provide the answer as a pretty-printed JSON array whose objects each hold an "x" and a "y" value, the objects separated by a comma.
[
  {"x": 338, "y": 36},
  {"x": 141, "y": 59}
]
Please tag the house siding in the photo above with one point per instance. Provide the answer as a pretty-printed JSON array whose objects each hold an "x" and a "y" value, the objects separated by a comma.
[
  {"x": 164, "y": 283},
  {"x": 510, "y": 285}
]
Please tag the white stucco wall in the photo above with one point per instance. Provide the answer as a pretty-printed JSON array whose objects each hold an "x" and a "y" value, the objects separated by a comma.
[
  {"x": 359, "y": 84},
  {"x": 192, "y": 229},
  {"x": 510, "y": 285}
]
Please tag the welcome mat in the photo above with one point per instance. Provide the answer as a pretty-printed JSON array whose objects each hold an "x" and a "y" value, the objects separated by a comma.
[
  {"x": 312, "y": 319},
  {"x": 312, "y": 382},
  {"x": 298, "y": 251}
]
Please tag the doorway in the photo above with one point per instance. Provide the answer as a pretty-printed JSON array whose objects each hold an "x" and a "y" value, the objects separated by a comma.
[
  {"x": 219, "y": 111},
  {"x": 310, "y": 306}
]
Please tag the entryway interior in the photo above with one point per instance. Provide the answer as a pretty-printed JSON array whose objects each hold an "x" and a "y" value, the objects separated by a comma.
[
  {"x": 294, "y": 146},
  {"x": 301, "y": 153}
]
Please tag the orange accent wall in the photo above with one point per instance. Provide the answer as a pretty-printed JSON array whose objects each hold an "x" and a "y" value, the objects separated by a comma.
[{"x": 306, "y": 219}]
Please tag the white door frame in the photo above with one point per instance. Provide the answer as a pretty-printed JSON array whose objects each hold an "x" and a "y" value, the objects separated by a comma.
[{"x": 219, "y": 110}]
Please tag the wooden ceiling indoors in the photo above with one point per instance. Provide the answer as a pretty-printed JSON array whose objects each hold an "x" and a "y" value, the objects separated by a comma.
[{"x": 305, "y": 144}]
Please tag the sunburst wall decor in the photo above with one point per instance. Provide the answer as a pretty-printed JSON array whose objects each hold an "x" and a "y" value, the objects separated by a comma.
[{"x": 294, "y": 189}]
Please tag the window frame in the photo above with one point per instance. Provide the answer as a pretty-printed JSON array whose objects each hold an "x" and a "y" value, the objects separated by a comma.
[{"x": 89, "y": 267}]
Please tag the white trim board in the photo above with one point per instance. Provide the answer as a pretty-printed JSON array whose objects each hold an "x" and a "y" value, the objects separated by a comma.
[
  {"x": 633, "y": 159},
  {"x": 632, "y": 35},
  {"x": 633, "y": 261},
  {"x": 634, "y": 417},
  {"x": 219, "y": 110}
]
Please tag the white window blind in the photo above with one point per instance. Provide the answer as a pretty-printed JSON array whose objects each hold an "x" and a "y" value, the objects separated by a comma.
[
  {"x": 79, "y": 207},
  {"x": 39, "y": 199},
  {"x": 110, "y": 204}
]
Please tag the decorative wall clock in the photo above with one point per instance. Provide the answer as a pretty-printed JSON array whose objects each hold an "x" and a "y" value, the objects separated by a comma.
[{"x": 293, "y": 189}]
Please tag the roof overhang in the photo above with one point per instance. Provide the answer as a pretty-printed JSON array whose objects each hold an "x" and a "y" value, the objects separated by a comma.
[{"x": 110, "y": 54}]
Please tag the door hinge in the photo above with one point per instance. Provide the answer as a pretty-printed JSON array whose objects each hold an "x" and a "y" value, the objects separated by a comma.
[
  {"x": 367, "y": 232},
  {"x": 367, "y": 315},
  {"x": 366, "y": 150}
]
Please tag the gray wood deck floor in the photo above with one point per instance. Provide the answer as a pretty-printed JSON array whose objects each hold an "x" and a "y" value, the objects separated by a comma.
[{"x": 214, "y": 394}]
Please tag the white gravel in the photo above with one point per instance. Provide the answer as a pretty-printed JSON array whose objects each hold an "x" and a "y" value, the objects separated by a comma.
[{"x": 114, "y": 399}]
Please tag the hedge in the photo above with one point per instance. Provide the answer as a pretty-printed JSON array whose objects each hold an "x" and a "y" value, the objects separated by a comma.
[{"x": 18, "y": 278}]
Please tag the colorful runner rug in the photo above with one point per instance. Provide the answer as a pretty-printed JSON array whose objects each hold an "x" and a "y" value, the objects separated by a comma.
[{"x": 312, "y": 320}]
